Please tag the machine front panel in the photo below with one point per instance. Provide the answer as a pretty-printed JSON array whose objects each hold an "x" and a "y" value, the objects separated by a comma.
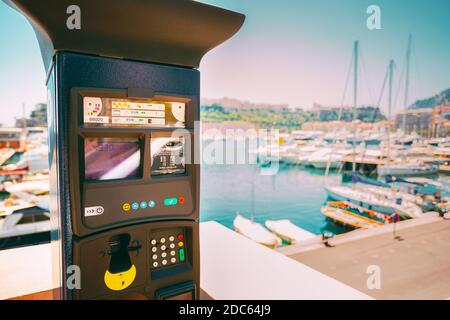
[
  {"x": 113, "y": 205},
  {"x": 138, "y": 262}
]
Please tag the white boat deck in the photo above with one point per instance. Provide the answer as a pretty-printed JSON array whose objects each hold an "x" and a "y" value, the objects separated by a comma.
[{"x": 232, "y": 267}]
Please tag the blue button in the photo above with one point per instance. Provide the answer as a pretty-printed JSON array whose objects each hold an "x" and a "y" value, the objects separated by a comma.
[
  {"x": 135, "y": 205},
  {"x": 143, "y": 204},
  {"x": 151, "y": 204}
]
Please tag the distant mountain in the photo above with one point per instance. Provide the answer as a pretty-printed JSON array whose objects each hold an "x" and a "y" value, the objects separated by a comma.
[
  {"x": 235, "y": 104},
  {"x": 431, "y": 102}
]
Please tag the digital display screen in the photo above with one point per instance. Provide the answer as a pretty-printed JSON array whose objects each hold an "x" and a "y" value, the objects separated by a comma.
[
  {"x": 115, "y": 112},
  {"x": 167, "y": 155},
  {"x": 111, "y": 158}
]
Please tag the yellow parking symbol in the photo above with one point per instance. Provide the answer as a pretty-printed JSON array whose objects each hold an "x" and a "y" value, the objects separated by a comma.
[{"x": 126, "y": 207}]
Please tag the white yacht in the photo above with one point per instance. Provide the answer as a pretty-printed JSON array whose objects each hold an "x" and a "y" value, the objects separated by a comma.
[{"x": 373, "y": 201}]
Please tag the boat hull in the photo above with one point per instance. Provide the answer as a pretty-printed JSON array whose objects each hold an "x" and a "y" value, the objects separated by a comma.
[
  {"x": 417, "y": 171},
  {"x": 370, "y": 206}
]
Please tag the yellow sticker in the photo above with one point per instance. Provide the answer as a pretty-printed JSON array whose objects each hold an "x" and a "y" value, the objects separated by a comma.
[{"x": 121, "y": 280}]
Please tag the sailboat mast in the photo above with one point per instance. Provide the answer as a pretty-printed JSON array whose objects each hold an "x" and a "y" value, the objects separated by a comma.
[
  {"x": 391, "y": 80},
  {"x": 408, "y": 58},
  {"x": 355, "y": 98},
  {"x": 252, "y": 195}
]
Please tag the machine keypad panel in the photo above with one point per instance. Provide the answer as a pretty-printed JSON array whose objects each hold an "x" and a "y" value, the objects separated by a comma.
[{"x": 167, "y": 248}]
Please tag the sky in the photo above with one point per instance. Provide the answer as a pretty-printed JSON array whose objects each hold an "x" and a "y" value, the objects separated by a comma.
[{"x": 288, "y": 51}]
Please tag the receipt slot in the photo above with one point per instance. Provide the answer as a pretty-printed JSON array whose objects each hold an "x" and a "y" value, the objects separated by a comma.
[{"x": 123, "y": 99}]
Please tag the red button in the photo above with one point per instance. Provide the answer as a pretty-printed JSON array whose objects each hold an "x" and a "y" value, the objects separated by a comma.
[
  {"x": 180, "y": 237},
  {"x": 181, "y": 200}
]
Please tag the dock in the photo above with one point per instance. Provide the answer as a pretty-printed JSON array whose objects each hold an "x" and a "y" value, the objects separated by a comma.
[{"x": 415, "y": 265}]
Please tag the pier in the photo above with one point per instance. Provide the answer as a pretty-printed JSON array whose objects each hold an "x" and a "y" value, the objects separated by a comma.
[{"x": 413, "y": 266}]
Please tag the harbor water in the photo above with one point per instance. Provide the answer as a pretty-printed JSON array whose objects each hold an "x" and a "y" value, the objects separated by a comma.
[{"x": 293, "y": 193}]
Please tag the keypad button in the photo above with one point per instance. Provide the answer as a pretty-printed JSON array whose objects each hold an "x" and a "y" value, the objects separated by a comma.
[
  {"x": 162, "y": 240},
  {"x": 154, "y": 249},
  {"x": 163, "y": 254},
  {"x": 164, "y": 262},
  {"x": 155, "y": 264},
  {"x": 180, "y": 244},
  {"x": 155, "y": 256},
  {"x": 182, "y": 255},
  {"x": 163, "y": 247},
  {"x": 171, "y": 238},
  {"x": 173, "y": 260},
  {"x": 172, "y": 253},
  {"x": 153, "y": 242},
  {"x": 172, "y": 245}
]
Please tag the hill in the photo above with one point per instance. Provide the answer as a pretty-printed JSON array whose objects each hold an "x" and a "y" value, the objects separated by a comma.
[{"x": 433, "y": 101}]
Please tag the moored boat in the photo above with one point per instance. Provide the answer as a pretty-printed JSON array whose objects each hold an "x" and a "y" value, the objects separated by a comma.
[
  {"x": 407, "y": 169},
  {"x": 256, "y": 232},
  {"x": 352, "y": 216},
  {"x": 288, "y": 231},
  {"x": 375, "y": 202}
]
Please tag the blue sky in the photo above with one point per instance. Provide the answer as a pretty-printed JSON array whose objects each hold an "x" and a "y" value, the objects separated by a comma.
[{"x": 288, "y": 51}]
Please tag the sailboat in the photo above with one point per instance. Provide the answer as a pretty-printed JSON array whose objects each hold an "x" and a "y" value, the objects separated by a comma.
[{"x": 373, "y": 201}]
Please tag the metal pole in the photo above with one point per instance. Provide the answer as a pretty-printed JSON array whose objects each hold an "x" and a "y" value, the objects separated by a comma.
[
  {"x": 408, "y": 58},
  {"x": 355, "y": 99},
  {"x": 391, "y": 79}
]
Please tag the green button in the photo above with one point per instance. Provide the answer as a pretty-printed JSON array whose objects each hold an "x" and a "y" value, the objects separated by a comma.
[
  {"x": 181, "y": 254},
  {"x": 170, "y": 201}
]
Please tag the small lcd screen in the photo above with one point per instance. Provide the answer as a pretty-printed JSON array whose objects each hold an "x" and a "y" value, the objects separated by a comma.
[
  {"x": 115, "y": 112},
  {"x": 167, "y": 155},
  {"x": 111, "y": 158}
]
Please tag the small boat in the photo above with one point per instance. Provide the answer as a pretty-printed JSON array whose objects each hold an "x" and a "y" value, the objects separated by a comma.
[
  {"x": 352, "y": 216},
  {"x": 256, "y": 232},
  {"x": 288, "y": 231}
]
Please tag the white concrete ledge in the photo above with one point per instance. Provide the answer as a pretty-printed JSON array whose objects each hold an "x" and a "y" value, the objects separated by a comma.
[
  {"x": 25, "y": 270},
  {"x": 234, "y": 267}
]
